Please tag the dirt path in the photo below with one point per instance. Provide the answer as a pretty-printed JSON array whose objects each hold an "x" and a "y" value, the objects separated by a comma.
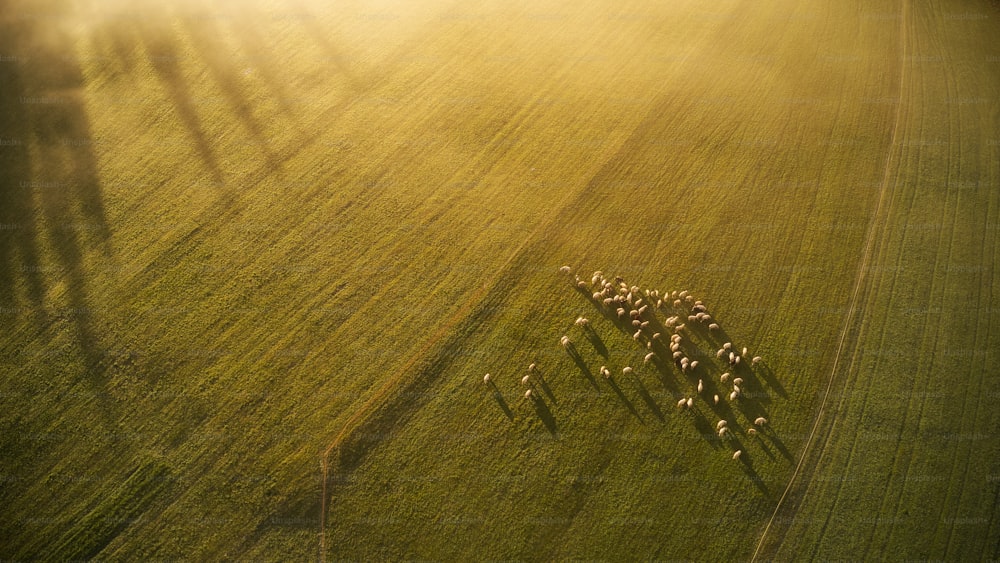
[{"x": 874, "y": 231}]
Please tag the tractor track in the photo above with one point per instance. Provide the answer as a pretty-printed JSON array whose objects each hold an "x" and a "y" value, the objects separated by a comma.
[{"x": 873, "y": 231}]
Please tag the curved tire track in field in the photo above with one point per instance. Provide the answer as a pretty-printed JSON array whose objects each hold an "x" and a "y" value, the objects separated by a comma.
[{"x": 853, "y": 306}]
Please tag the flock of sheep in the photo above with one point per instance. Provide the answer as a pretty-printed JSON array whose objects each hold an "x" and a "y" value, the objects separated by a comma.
[{"x": 634, "y": 310}]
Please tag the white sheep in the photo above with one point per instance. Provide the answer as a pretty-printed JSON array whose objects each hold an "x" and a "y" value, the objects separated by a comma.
[
  {"x": 678, "y": 354},
  {"x": 626, "y": 370},
  {"x": 526, "y": 380},
  {"x": 733, "y": 396},
  {"x": 715, "y": 399},
  {"x": 566, "y": 270},
  {"x": 677, "y": 303},
  {"x": 720, "y": 353},
  {"x": 621, "y": 312},
  {"x": 700, "y": 386},
  {"x": 760, "y": 421},
  {"x": 527, "y": 394},
  {"x": 675, "y": 347},
  {"x": 597, "y": 296},
  {"x": 643, "y": 309},
  {"x": 723, "y": 431},
  {"x": 751, "y": 431},
  {"x": 682, "y": 294},
  {"x": 582, "y": 321},
  {"x": 605, "y": 372},
  {"x": 692, "y": 318},
  {"x": 581, "y": 284},
  {"x": 607, "y": 302},
  {"x": 724, "y": 377},
  {"x": 532, "y": 367},
  {"x": 486, "y": 379},
  {"x": 737, "y": 454},
  {"x": 679, "y": 328},
  {"x": 744, "y": 351},
  {"x": 755, "y": 360},
  {"x": 727, "y": 346},
  {"x": 682, "y": 403},
  {"x": 690, "y": 402},
  {"x": 649, "y": 357},
  {"x": 637, "y": 335},
  {"x": 636, "y": 323},
  {"x": 565, "y": 341},
  {"x": 634, "y": 314},
  {"x": 656, "y": 336},
  {"x": 738, "y": 381},
  {"x": 713, "y": 326},
  {"x": 737, "y": 360},
  {"x": 737, "y": 390},
  {"x": 694, "y": 365},
  {"x": 722, "y": 423}
]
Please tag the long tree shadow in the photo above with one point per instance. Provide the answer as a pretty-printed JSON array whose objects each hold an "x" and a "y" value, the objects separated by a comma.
[
  {"x": 206, "y": 40},
  {"x": 49, "y": 186},
  {"x": 255, "y": 47},
  {"x": 165, "y": 56}
]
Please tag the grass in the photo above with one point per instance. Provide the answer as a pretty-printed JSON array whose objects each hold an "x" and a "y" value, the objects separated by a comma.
[{"x": 233, "y": 237}]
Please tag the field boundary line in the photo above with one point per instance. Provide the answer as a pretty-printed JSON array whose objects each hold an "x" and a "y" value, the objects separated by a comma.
[{"x": 858, "y": 284}]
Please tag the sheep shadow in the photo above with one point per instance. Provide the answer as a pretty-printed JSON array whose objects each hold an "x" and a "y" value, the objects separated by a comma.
[
  {"x": 581, "y": 365},
  {"x": 778, "y": 443},
  {"x": 704, "y": 428},
  {"x": 767, "y": 374},
  {"x": 544, "y": 385},
  {"x": 647, "y": 398},
  {"x": 545, "y": 414},
  {"x": 763, "y": 446},
  {"x": 746, "y": 465},
  {"x": 750, "y": 408},
  {"x": 624, "y": 399},
  {"x": 498, "y": 397},
  {"x": 666, "y": 376},
  {"x": 595, "y": 341}
]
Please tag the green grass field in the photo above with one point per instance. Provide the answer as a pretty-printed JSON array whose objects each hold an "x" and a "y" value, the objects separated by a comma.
[{"x": 256, "y": 257}]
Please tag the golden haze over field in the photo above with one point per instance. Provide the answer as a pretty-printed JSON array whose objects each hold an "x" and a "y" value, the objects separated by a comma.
[{"x": 257, "y": 257}]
